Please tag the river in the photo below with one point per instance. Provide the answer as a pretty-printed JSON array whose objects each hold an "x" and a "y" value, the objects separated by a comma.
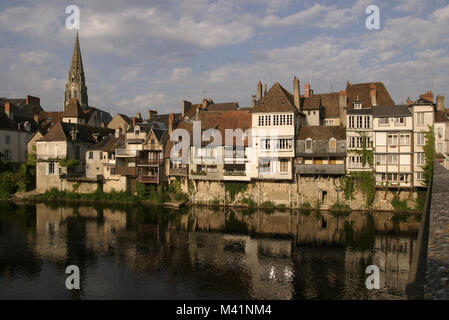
[{"x": 138, "y": 252}]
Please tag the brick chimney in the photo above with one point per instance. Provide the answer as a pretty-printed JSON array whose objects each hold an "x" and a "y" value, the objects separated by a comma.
[
  {"x": 409, "y": 101},
  {"x": 205, "y": 104},
  {"x": 8, "y": 110},
  {"x": 373, "y": 94},
  {"x": 171, "y": 117},
  {"x": 185, "y": 105},
  {"x": 151, "y": 113},
  {"x": 428, "y": 96},
  {"x": 259, "y": 90},
  {"x": 307, "y": 91},
  {"x": 296, "y": 93},
  {"x": 139, "y": 115},
  {"x": 440, "y": 103},
  {"x": 32, "y": 100},
  {"x": 265, "y": 89},
  {"x": 343, "y": 103}
]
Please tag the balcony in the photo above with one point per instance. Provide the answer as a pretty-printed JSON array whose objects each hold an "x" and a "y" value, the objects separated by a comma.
[
  {"x": 149, "y": 162},
  {"x": 148, "y": 179},
  {"x": 124, "y": 153},
  {"x": 179, "y": 172},
  {"x": 202, "y": 175},
  {"x": 125, "y": 171},
  {"x": 318, "y": 169}
]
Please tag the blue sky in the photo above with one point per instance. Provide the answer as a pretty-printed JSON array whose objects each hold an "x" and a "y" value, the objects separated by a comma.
[{"x": 153, "y": 54}]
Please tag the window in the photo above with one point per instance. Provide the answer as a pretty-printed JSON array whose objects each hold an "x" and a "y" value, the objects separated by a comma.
[
  {"x": 51, "y": 168},
  {"x": 137, "y": 131},
  {"x": 392, "y": 139},
  {"x": 381, "y": 159},
  {"x": 393, "y": 177},
  {"x": 399, "y": 121},
  {"x": 7, "y": 155},
  {"x": 276, "y": 120},
  {"x": 405, "y": 139},
  {"x": 7, "y": 139},
  {"x": 420, "y": 139},
  {"x": 404, "y": 178},
  {"x": 152, "y": 141},
  {"x": 260, "y": 121},
  {"x": 284, "y": 165},
  {"x": 112, "y": 170},
  {"x": 440, "y": 148},
  {"x": 367, "y": 122},
  {"x": 265, "y": 166},
  {"x": 309, "y": 144},
  {"x": 284, "y": 144},
  {"x": 420, "y": 118},
  {"x": 268, "y": 120},
  {"x": 329, "y": 122},
  {"x": 91, "y": 155},
  {"x": 351, "y": 122},
  {"x": 289, "y": 119},
  {"x": 392, "y": 159},
  {"x": 357, "y": 105},
  {"x": 265, "y": 144},
  {"x": 420, "y": 158},
  {"x": 359, "y": 122},
  {"x": 420, "y": 176},
  {"x": 381, "y": 177},
  {"x": 332, "y": 144},
  {"x": 384, "y": 121}
]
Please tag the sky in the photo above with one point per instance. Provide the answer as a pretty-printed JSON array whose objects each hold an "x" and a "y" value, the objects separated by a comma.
[{"x": 141, "y": 55}]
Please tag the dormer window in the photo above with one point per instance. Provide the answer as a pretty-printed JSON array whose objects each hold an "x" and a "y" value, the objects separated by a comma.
[
  {"x": 308, "y": 144},
  {"x": 357, "y": 104},
  {"x": 333, "y": 144},
  {"x": 137, "y": 131}
]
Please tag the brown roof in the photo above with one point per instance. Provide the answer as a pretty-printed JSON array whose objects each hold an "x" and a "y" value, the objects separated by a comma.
[
  {"x": 6, "y": 123},
  {"x": 311, "y": 103},
  {"x": 223, "y": 106},
  {"x": 220, "y": 120},
  {"x": 62, "y": 132},
  {"x": 441, "y": 116},
  {"x": 331, "y": 104},
  {"x": 73, "y": 110},
  {"x": 126, "y": 118},
  {"x": 362, "y": 92},
  {"x": 108, "y": 143},
  {"x": 277, "y": 99},
  {"x": 322, "y": 132}
]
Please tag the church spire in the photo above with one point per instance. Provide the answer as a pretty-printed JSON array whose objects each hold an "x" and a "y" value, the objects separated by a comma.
[{"x": 76, "y": 82}]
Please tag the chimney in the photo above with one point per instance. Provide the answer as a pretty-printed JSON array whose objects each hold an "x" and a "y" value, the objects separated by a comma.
[
  {"x": 307, "y": 91},
  {"x": 32, "y": 100},
  {"x": 409, "y": 101},
  {"x": 440, "y": 103},
  {"x": 428, "y": 96},
  {"x": 264, "y": 89},
  {"x": 8, "y": 110},
  {"x": 343, "y": 103},
  {"x": 296, "y": 93},
  {"x": 149, "y": 114},
  {"x": 73, "y": 134},
  {"x": 185, "y": 105},
  {"x": 118, "y": 132},
  {"x": 205, "y": 103},
  {"x": 171, "y": 117},
  {"x": 139, "y": 115},
  {"x": 253, "y": 104},
  {"x": 373, "y": 94},
  {"x": 197, "y": 115},
  {"x": 259, "y": 90}
]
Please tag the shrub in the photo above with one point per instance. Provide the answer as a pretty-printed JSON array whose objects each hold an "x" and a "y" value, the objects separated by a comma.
[
  {"x": 267, "y": 204},
  {"x": 399, "y": 205},
  {"x": 249, "y": 202},
  {"x": 306, "y": 205},
  {"x": 342, "y": 207}
]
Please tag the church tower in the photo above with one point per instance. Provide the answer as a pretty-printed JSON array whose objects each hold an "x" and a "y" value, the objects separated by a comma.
[{"x": 76, "y": 83}]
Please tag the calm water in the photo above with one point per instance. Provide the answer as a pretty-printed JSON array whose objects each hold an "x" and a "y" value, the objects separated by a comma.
[{"x": 154, "y": 253}]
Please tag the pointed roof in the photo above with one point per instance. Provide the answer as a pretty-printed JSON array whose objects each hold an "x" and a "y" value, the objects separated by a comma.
[
  {"x": 277, "y": 99},
  {"x": 76, "y": 67},
  {"x": 73, "y": 110}
]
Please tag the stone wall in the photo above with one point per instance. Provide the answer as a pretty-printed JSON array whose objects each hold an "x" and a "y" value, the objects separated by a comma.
[{"x": 295, "y": 194}]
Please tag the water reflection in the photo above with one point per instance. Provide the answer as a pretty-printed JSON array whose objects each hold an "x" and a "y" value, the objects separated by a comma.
[{"x": 199, "y": 253}]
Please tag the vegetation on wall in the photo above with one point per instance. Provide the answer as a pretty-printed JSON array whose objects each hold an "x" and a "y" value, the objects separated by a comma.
[
  {"x": 234, "y": 188},
  {"x": 14, "y": 177},
  {"x": 69, "y": 163},
  {"x": 364, "y": 181},
  {"x": 429, "y": 154},
  {"x": 399, "y": 205}
]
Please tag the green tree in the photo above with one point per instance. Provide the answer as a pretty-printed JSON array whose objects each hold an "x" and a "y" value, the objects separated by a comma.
[{"x": 429, "y": 154}]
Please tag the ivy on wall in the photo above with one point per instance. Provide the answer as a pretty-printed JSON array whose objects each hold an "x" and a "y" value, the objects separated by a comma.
[{"x": 429, "y": 154}]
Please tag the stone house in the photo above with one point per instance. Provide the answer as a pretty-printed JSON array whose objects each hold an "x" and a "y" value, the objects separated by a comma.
[
  {"x": 393, "y": 146},
  {"x": 121, "y": 121},
  {"x": 275, "y": 119},
  {"x": 320, "y": 161},
  {"x": 64, "y": 141},
  {"x": 13, "y": 139}
]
